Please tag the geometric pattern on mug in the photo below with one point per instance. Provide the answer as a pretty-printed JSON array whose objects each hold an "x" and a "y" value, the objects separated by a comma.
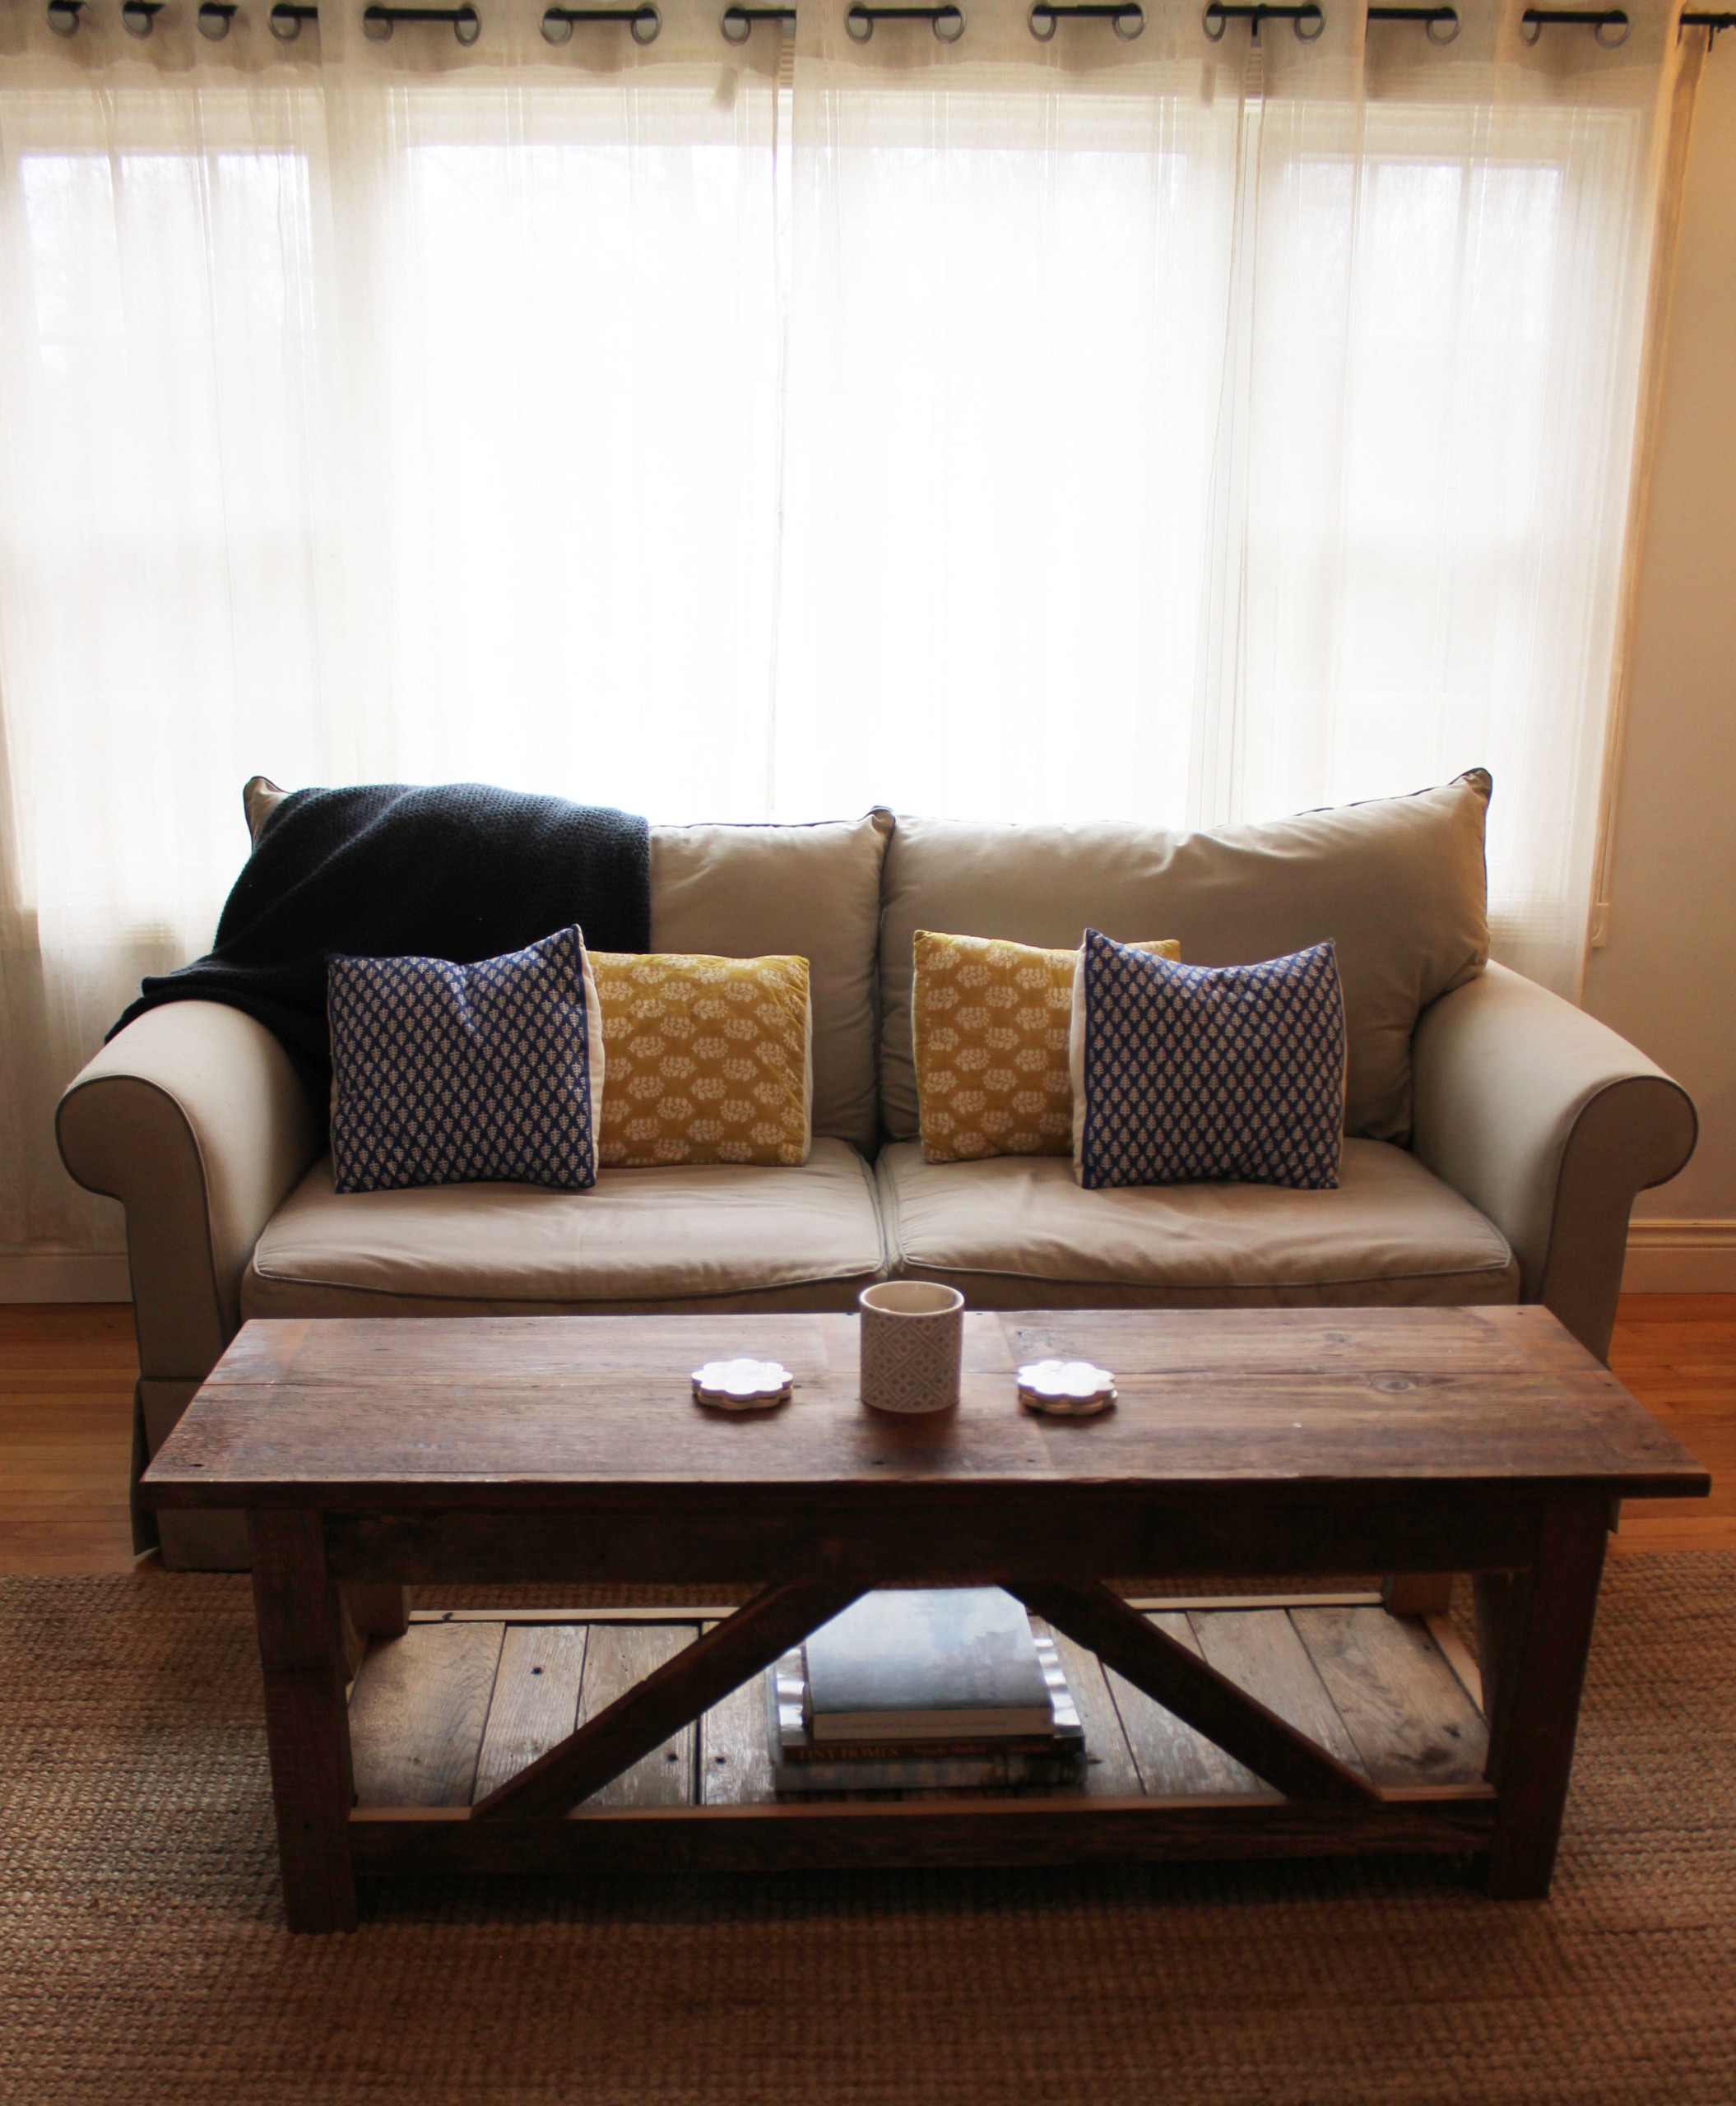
[
  {"x": 1196, "y": 1074},
  {"x": 708, "y": 1058},
  {"x": 990, "y": 1029},
  {"x": 910, "y": 1363},
  {"x": 451, "y": 1075}
]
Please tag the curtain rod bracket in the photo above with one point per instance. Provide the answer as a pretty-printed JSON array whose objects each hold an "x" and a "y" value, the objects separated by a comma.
[
  {"x": 1711, "y": 24},
  {"x": 1307, "y": 20}
]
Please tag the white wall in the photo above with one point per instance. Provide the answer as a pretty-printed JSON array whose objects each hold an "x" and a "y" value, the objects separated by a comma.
[{"x": 1667, "y": 978}]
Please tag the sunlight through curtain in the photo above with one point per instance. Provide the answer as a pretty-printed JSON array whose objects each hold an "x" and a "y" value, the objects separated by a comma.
[{"x": 1171, "y": 429}]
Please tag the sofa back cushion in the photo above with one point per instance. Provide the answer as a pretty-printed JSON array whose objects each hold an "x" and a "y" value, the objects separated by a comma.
[
  {"x": 1397, "y": 884},
  {"x": 812, "y": 891}
]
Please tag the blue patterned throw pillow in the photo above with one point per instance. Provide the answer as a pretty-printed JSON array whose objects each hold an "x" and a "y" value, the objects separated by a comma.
[
  {"x": 453, "y": 1074},
  {"x": 1187, "y": 1073}
]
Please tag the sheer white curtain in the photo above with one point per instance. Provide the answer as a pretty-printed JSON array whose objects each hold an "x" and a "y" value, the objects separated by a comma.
[
  {"x": 1198, "y": 433},
  {"x": 1168, "y": 428},
  {"x": 366, "y": 410}
]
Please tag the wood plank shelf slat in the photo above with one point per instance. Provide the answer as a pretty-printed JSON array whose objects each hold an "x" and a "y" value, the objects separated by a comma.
[
  {"x": 536, "y": 1703},
  {"x": 1400, "y": 1701},
  {"x": 1260, "y": 1650},
  {"x": 1174, "y": 1761},
  {"x": 419, "y": 1710},
  {"x": 617, "y": 1656}
]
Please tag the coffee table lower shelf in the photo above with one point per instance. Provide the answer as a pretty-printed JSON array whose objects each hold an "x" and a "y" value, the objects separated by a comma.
[{"x": 443, "y": 1715}]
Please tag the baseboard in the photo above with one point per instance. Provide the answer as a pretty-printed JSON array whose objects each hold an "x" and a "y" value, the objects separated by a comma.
[
  {"x": 1680, "y": 1257},
  {"x": 64, "y": 1276}
]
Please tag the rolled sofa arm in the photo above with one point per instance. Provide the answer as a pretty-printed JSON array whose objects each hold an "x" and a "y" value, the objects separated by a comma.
[
  {"x": 193, "y": 1119},
  {"x": 1548, "y": 1123}
]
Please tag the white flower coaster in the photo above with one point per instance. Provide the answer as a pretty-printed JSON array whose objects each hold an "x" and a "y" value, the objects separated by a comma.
[
  {"x": 742, "y": 1386},
  {"x": 1066, "y": 1388}
]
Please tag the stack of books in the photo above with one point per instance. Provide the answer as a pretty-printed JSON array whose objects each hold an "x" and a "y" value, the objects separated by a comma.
[{"x": 930, "y": 1690}]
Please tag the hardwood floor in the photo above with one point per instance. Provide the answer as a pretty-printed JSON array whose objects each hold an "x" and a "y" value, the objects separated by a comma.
[
  {"x": 1677, "y": 1352},
  {"x": 65, "y": 1426},
  {"x": 67, "y": 1371}
]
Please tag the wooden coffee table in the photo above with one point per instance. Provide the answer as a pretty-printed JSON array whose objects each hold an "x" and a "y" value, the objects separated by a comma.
[{"x": 1247, "y": 1444}]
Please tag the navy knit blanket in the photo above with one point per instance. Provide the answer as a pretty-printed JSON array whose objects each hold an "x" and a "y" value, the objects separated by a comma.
[{"x": 457, "y": 870}]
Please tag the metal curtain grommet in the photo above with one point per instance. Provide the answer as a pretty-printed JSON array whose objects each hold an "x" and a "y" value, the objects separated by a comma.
[
  {"x": 644, "y": 26},
  {"x": 949, "y": 24},
  {"x": 1442, "y": 26},
  {"x": 736, "y": 26},
  {"x": 377, "y": 25},
  {"x": 1309, "y": 23},
  {"x": 63, "y": 17},
  {"x": 1214, "y": 21},
  {"x": 557, "y": 28},
  {"x": 860, "y": 23},
  {"x": 1041, "y": 22},
  {"x": 214, "y": 18},
  {"x": 1128, "y": 23},
  {"x": 1613, "y": 31},
  {"x": 467, "y": 25},
  {"x": 138, "y": 17}
]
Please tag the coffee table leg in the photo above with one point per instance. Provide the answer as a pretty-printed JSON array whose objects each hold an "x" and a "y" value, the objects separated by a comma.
[
  {"x": 306, "y": 1722},
  {"x": 1545, "y": 1637}
]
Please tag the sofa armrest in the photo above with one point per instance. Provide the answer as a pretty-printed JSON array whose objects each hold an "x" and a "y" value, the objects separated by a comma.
[
  {"x": 194, "y": 1119},
  {"x": 1549, "y": 1123}
]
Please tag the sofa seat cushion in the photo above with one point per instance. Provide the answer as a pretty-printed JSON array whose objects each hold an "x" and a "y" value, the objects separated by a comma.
[
  {"x": 1016, "y": 1232},
  {"x": 717, "y": 1237}
]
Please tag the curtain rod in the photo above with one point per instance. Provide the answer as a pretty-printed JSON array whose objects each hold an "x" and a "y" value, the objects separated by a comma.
[
  {"x": 377, "y": 21},
  {"x": 1127, "y": 19},
  {"x": 1610, "y": 26},
  {"x": 946, "y": 20},
  {"x": 643, "y": 21}
]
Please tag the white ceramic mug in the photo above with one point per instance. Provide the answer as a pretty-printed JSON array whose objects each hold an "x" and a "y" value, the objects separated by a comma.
[{"x": 912, "y": 1343}]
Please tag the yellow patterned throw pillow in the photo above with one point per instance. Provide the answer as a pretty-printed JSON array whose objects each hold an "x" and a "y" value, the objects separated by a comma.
[
  {"x": 709, "y": 1059},
  {"x": 991, "y": 1021}
]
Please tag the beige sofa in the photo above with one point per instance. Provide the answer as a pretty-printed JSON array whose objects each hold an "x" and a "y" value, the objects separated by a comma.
[{"x": 1497, "y": 1135}]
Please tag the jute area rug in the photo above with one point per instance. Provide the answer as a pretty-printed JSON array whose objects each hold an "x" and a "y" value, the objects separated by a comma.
[{"x": 143, "y": 1958}]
